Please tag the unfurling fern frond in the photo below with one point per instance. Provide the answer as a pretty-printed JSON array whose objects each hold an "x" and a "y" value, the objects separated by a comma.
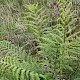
[{"x": 58, "y": 44}]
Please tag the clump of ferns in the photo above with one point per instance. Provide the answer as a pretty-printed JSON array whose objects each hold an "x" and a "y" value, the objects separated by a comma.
[
  {"x": 15, "y": 69},
  {"x": 59, "y": 44},
  {"x": 35, "y": 19}
]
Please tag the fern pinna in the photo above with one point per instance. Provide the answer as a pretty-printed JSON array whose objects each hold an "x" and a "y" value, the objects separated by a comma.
[{"x": 59, "y": 44}]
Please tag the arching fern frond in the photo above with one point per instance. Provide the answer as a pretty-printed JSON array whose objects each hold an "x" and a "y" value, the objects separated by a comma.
[{"x": 15, "y": 69}]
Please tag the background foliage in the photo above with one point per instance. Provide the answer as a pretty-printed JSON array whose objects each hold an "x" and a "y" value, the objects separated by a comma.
[{"x": 39, "y": 40}]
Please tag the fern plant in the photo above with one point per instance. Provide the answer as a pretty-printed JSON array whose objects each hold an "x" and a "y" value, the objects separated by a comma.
[{"x": 59, "y": 43}]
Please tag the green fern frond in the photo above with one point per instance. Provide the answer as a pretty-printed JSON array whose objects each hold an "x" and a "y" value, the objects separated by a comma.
[
  {"x": 55, "y": 44},
  {"x": 35, "y": 20},
  {"x": 12, "y": 68}
]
